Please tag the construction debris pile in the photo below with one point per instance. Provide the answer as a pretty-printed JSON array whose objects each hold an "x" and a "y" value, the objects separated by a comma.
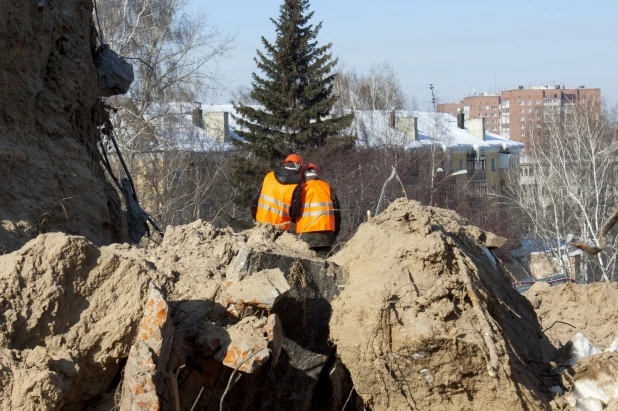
[{"x": 411, "y": 314}]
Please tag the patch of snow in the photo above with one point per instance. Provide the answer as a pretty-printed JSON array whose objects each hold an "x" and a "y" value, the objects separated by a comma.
[
  {"x": 427, "y": 374},
  {"x": 582, "y": 347},
  {"x": 586, "y": 388},
  {"x": 556, "y": 389},
  {"x": 589, "y": 404},
  {"x": 489, "y": 255},
  {"x": 613, "y": 347}
]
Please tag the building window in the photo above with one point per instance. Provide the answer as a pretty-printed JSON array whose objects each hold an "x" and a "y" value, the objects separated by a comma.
[
  {"x": 522, "y": 118},
  {"x": 480, "y": 108},
  {"x": 520, "y": 102},
  {"x": 522, "y": 110},
  {"x": 523, "y": 133},
  {"x": 538, "y": 126},
  {"x": 537, "y": 110},
  {"x": 529, "y": 102},
  {"x": 486, "y": 115},
  {"x": 493, "y": 164},
  {"x": 476, "y": 163},
  {"x": 538, "y": 102},
  {"x": 538, "y": 117},
  {"x": 486, "y": 107},
  {"x": 522, "y": 125},
  {"x": 530, "y": 110}
]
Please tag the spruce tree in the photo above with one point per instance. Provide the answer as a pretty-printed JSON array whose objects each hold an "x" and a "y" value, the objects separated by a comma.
[{"x": 295, "y": 92}]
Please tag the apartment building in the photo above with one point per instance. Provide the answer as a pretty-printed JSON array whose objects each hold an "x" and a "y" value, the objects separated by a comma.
[
  {"x": 514, "y": 113},
  {"x": 525, "y": 109}
]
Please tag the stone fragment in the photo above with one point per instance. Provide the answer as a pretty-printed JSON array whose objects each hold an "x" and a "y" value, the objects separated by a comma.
[
  {"x": 274, "y": 333},
  {"x": 143, "y": 387},
  {"x": 259, "y": 291},
  {"x": 247, "y": 349}
]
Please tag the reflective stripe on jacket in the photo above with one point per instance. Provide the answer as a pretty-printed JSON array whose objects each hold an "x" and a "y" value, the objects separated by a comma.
[
  {"x": 274, "y": 202},
  {"x": 317, "y": 212}
]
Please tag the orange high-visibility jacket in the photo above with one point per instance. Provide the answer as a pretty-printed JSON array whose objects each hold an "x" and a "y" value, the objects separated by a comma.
[
  {"x": 274, "y": 202},
  {"x": 318, "y": 212}
]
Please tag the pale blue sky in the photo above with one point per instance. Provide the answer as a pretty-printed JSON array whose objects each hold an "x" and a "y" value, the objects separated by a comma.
[{"x": 456, "y": 45}]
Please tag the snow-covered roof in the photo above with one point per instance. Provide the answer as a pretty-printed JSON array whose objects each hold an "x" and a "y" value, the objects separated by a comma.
[
  {"x": 183, "y": 134},
  {"x": 373, "y": 128}
]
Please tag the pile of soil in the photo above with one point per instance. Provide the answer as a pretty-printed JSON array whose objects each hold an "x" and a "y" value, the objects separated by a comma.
[
  {"x": 69, "y": 310},
  {"x": 415, "y": 322},
  {"x": 68, "y": 315},
  {"x": 565, "y": 310},
  {"x": 52, "y": 179}
]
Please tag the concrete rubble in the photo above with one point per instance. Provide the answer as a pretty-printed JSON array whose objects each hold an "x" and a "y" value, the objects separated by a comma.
[
  {"x": 260, "y": 291},
  {"x": 145, "y": 370}
]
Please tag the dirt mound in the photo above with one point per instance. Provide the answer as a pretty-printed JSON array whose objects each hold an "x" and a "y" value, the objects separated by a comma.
[
  {"x": 49, "y": 113},
  {"x": 197, "y": 256},
  {"x": 427, "y": 320},
  {"x": 565, "y": 310},
  {"x": 68, "y": 315}
]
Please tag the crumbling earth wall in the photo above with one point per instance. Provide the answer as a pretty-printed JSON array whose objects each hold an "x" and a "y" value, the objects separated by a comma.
[
  {"x": 49, "y": 113},
  {"x": 428, "y": 321}
]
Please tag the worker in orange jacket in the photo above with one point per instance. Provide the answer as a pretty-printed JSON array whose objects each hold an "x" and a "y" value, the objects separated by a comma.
[
  {"x": 315, "y": 209},
  {"x": 272, "y": 201}
]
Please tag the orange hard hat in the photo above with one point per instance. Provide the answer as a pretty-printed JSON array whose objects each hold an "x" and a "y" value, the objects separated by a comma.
[
  {"x": 311, "y": 166},
  {"x": 294, "y": 158}
]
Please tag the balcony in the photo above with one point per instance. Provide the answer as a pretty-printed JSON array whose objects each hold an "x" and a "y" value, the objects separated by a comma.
[
  {"x": 476, "y": 168},
  {"x": 551, "y": 101}
]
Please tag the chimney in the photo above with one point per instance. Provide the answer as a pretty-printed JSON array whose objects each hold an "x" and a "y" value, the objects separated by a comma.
[
  {"x": 409, "y": 126},
  {"x": 521, "y": 87},
  {"x": 476, "y": 127},
  {"x": 197, "y": 115},
  {"x": 217, "y": 125},
  {"x": 460, "y": 118}
]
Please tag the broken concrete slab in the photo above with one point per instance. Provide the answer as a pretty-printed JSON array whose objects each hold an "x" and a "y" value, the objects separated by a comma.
[
  {"x": 247, "y": 349},
  {"x": 274, "y": 333},
  {"x": 143, "y": 387},
  {"x": 327, "y": 277},
  {"x": 304, "y": 313},
  {"x": 259, "y": 291}
]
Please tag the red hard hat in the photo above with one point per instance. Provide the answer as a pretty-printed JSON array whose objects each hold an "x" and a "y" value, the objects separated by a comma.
[
  {"x": 313, "y": 166},
  {"x": 295, "y": 158}
]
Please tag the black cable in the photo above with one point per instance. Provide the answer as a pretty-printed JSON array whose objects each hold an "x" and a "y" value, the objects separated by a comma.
[
  {"x": 124, "y": 166},
  {"x": 96, "y": 13}
]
